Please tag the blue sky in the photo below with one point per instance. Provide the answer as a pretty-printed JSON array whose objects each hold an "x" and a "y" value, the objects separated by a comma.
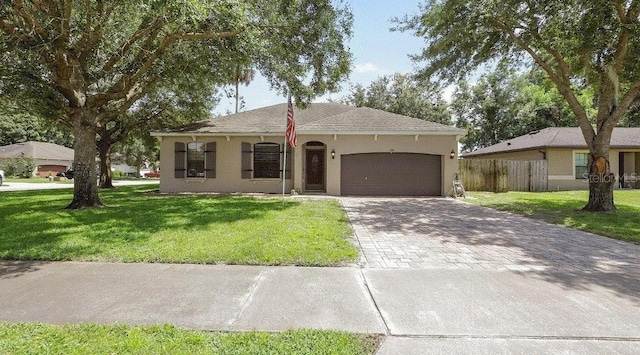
[{"x": 376, "y": 52}]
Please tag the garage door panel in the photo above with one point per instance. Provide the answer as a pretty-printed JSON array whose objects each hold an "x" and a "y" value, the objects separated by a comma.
[{"x": 401, "y": 174}]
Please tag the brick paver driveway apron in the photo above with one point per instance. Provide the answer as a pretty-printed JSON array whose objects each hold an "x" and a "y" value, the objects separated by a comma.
[{"x": 439, "y": 233}]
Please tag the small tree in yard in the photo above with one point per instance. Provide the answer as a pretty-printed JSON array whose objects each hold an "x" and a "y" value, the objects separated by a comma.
[
  {"x": 595, "y": 43},
  {"x": 89, "y": 62}
]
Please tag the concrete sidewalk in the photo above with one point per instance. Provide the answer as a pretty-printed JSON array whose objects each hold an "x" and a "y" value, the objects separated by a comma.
[{"x": 421, "y": 311}]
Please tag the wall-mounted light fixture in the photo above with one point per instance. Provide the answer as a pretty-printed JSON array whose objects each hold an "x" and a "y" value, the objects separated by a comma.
[
  {"x": 452, "y": 155},
  {"x": 333, "y": 153}
]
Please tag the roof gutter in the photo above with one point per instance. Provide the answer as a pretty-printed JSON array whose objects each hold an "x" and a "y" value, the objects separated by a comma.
[{"x": 301, "y": 133}]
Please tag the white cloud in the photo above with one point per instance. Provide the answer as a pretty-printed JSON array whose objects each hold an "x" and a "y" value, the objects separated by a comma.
[{"x": 367, "y": 68}]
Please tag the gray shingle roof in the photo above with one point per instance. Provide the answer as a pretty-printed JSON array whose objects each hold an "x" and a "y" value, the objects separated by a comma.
[
  {"x": 318, "y": 118},
  {"x": 559, "y": 137},
  {"x": 38, "y": 150}
]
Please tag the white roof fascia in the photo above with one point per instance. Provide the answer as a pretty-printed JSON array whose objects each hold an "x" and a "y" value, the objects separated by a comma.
[{"x": 452, "y": 132}]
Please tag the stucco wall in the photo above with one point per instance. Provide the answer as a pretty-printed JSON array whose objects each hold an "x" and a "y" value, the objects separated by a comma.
[
  {"x": 349, "y": 144},
  {"x": 228, "y": 165},
  {"x": 228, "y": 168},
  {"x": 562, "y": 170}
]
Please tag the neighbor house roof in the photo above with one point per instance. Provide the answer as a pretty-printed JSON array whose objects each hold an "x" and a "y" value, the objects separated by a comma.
[
  {"x": 559, "y": 137},
  {"x": 318, "y": 118},
  {"x": 37, "y": 150}
]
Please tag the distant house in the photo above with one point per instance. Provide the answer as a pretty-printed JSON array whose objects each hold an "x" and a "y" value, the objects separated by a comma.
[
  {"x": 565, "y": 150},
  {"x": 342, "y": 150},
  {"x": 49, "y": 157}
]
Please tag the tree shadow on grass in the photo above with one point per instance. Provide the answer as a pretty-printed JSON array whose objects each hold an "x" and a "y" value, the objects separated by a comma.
[
  {"x": 574, "y": 259},
  {"x": 35, "y": 226}
]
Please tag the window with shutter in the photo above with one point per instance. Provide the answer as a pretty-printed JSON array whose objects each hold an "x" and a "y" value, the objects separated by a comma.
[
  {"x": 210, "y": 160},
  {"x": 180, "y": 160},
  {"x": 195, "y": 159},
  {"x": 266, "y": 161},
  {"x": 247, "y": 153}
]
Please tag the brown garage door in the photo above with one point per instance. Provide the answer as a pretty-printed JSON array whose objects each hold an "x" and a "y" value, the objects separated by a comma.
[{"x": 385, "y": 174}]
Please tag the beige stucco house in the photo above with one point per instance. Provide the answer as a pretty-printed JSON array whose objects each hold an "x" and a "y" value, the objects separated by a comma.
[
  {"x": 49, "y": 157},
  {"x": 565, "y": 150},
  {"x": 341, "y": 150}
]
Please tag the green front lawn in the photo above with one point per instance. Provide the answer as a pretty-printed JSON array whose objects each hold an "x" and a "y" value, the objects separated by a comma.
[
  {"x": 25, "y": 338},
  {"x": 35, "y": 180},
  {"x": 564, "y": 208},
  {"x": 142, "y": 226}
]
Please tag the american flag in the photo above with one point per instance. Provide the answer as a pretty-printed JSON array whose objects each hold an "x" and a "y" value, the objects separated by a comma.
[{"x": 290, "y": 134}]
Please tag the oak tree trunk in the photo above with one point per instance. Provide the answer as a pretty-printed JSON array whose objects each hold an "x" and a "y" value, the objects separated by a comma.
[
  {"x": 106, "y": 178},
  {"x": 85, "y": 184},
  {"x": 601, "y": 183}
]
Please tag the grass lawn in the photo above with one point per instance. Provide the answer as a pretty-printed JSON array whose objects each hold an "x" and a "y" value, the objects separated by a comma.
[
  {"x": 26, "y": 338},
  {"x": 141, "y": 226},
  {"x": 564, "y": 208},
  {"x": 35, "y": 180}
]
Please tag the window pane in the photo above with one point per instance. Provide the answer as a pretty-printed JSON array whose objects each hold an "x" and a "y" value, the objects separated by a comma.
[
  {"x": 582, "y": 171},
  {"x": 195, "y": 159},
  {"x": 266, "y": 160}
]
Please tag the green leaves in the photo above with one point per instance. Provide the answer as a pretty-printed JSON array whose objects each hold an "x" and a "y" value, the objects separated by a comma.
[
  {"x": 504, "y": 104},
  {"x": 404, "y": 95}
]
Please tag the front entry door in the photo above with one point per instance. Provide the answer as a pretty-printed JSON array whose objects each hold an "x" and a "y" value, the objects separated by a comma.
[{"x": 315, "y": 170}]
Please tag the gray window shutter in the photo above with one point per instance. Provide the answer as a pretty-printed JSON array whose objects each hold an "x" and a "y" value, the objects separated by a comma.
[
  {"x": 289, "y": 162},
  {"x": 246, "y": 160},
  {"x": 210, "y": 160},
  {"x": 180, "y": 160}
]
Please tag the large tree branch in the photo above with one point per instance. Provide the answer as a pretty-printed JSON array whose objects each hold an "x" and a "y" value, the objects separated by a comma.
[
  {"x": 626, "y": 102},
  {"x": 562, "y": 84},
  {"x": 92, "y": 34},
  {"x": 121, "y": 89},
  {"x": 633, "y": 11},
  {"x": 150, "y": 32},
  {"x": 29, "y": 20},
  {"x": 65, "y": 23}
]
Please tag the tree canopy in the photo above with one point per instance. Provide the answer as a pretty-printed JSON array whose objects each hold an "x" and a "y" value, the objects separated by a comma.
[
  {"x": 595, "y": 43},
  {"x": 18, "y": 126},
  {"x": 503, "y": 104},
  {"x": 87, "y": 62},
  {"x": 404, "y": 95}
]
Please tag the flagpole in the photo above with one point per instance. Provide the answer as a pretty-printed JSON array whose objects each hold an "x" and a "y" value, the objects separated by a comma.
[
  {"x": 284, "y": 163},
  {"x": 290, "y": 140}
]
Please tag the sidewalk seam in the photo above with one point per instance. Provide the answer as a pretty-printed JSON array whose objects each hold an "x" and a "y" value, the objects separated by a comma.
[
  {"x": 245, "y": 304},
  {"x": 375, "y": 304}
]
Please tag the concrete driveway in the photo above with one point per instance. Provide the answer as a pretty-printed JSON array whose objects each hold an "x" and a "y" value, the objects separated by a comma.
[
  {"x": 438, "y": 233},
  {"x": 458, "y": 278}
]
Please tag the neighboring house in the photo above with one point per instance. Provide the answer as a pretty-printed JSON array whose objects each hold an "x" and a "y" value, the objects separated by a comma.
[
  {"x": 129, "y": 170},
  {"x": 49, "y": 157},
  {"x": 565, "y": 150},
  {"x": 342, "y": 150},
  {"x": 118, "y": 164}
]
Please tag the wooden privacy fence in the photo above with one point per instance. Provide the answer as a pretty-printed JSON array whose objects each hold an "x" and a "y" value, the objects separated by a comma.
[
  {"x": 530, "y": 175},
  {"x": 484, "y": 174},
  {"x": 498, "y": 175}
]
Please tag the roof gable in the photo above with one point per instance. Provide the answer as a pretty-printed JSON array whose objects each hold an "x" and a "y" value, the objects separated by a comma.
[
  {"x": 559, "y": 137},
  {"x": 318, "y": 118}
]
